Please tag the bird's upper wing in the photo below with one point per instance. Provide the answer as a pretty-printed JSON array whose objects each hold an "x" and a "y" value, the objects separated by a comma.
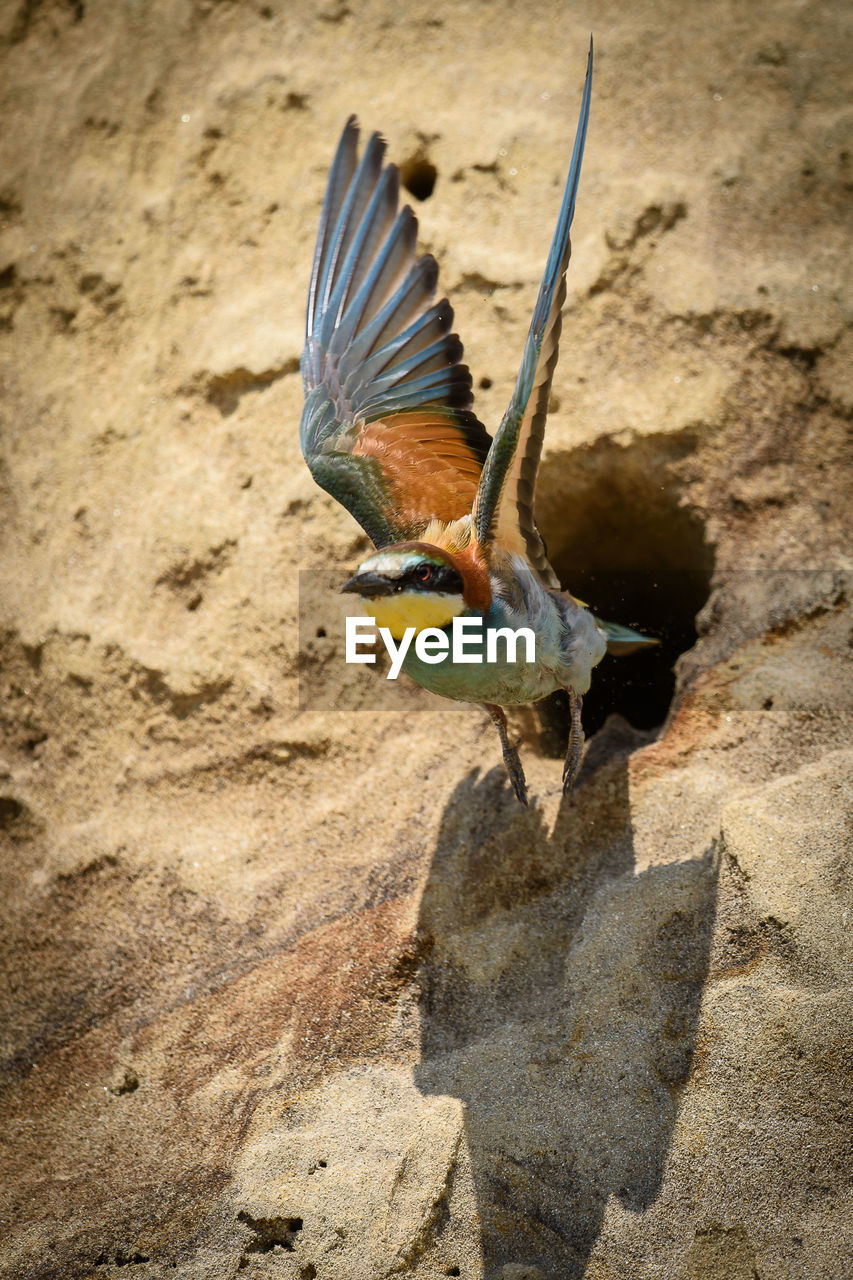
[
  {"x": 387, "y": 427},
  {"x": 503, "y": 513}
]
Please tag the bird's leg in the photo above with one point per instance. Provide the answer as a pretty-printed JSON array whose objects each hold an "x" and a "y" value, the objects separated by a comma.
[
  {"x": 573, "y": 754},
  {"x": 512, "y": 760}
]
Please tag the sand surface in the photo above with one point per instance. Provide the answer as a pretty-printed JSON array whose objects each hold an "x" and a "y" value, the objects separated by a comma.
[{"x": 298, "y": 990}]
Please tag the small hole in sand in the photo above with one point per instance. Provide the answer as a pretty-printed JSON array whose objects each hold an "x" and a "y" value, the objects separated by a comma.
[{"x": 418, "y": 175}]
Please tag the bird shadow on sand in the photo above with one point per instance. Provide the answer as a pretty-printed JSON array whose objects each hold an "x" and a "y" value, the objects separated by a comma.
[{"x": 559, "y": 997}]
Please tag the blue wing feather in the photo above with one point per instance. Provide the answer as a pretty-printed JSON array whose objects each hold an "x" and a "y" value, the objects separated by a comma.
[
  {"x": 340, "y": 177},
  {"x": 504, "y": 507},
  {"x": 378, "y": 347}
]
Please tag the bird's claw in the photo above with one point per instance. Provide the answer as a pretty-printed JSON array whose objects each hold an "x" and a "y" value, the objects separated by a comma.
[
  {"x": 512, "y": 759},
  {"x": 575, "y": 749}
]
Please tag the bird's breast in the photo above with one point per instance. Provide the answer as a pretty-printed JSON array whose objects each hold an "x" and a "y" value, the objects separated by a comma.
[{"x": 513, "y": 657}]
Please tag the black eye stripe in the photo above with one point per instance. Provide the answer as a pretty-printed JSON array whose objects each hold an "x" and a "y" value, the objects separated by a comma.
[{"x": 443, "y": 579}]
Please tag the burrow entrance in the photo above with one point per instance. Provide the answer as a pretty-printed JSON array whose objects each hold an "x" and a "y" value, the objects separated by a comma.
[{"x": 619, "y": 539}]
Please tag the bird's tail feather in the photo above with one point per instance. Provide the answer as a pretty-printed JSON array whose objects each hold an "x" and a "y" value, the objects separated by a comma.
[{"x": 624, "y": 640}]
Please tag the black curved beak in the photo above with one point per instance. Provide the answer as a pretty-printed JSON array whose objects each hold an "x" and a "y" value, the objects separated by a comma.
[{"x": 369, "y": 585}]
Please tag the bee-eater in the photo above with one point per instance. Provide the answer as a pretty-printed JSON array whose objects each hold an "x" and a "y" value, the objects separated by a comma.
[{"x": 388, "y": 430}]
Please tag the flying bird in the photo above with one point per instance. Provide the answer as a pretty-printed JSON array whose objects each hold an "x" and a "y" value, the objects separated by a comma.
[{"x": 388, "y": 430}]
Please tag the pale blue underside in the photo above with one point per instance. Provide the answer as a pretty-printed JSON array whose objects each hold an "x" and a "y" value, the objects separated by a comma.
[{"x": 565, "y": 656}]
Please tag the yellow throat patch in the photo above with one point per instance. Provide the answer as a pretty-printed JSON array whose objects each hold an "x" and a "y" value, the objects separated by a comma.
[{"x": 418, "y": 609}]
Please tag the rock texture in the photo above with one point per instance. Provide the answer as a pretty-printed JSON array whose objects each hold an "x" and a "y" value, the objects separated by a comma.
[{"x": 298, "y": 990}]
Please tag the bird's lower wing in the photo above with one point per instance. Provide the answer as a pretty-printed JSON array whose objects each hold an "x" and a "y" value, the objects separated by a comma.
[
  {"x": 387, "y": 427},
  {"x": 503, "y": 512}
]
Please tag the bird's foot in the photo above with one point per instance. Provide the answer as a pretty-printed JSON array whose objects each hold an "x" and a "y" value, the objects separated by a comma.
[
  {"x": 573, "y": 755},
  {"x": 512, "y": 760}
]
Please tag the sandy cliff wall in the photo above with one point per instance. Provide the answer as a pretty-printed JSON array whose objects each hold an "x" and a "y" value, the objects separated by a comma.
[{"x": 307, "y": 994}]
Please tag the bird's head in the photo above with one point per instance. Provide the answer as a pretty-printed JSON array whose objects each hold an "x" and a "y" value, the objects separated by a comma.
[{"x": 413, "y": 584}]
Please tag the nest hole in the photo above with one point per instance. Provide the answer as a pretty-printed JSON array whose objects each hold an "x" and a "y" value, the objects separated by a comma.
[{"x": 621, "y": 540}]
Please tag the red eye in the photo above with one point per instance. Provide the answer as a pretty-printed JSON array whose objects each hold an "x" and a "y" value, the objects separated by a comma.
[{"x": 423, "y": 573}]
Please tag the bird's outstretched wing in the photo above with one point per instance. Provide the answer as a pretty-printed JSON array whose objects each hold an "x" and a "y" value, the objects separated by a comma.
[
  {"x": 503, "y": 512},
  {"x": 387, "y": 427}
]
